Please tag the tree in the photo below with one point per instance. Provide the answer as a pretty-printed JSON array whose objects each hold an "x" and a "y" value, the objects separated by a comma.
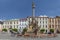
[
  {"x": 16, "y": 30},
  {"x": 52, "y": 30},
  {"x": 42, "y": 30},
  {"x": 4, "y": 29},
  {"x": 24, "y": 30}
]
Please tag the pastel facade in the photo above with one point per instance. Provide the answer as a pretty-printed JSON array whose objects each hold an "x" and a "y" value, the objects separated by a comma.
[
  {"x": 53, "y": 24},
  {"x": 20, "y": 24},
  {"x": 13, "y": 23},
  {"x": 44, "y": 22},
  {"x": 47, "y": 23},
  {"x": 58, "y": 23}
]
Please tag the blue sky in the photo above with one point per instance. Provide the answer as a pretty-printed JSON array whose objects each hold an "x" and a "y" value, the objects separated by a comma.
[{"x": 11, "y": 9}]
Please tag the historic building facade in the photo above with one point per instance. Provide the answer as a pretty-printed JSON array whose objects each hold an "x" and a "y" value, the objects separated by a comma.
[
  {"x": 47, "y": 23},
  {"x": 42, "y": 22},
  {"x": 20, "y": 24},
  {"x": 13, "y": 23},
  {"x": 23, "y": 24},
  {"x": 53, "y": 24},
  {"x": 1, "y": 25},
  {"x": 58, "y": 23}
]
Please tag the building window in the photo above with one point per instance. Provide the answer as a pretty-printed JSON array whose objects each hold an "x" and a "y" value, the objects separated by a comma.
[
  {"x": 14, "y": 26},
  {"x": 14, "y": 22},
  {"x": 46, "y": 18},
  {"x": 40, "y": 21},
  {"x": 3, "y": 26},
  {"x": 43, "y": 18},
  {"x": 50, "y": 26},
  {"x": 46, "y": 22},
  {"x": 46, "y": 26},
  {"x": 17, "y": 22},
  {"x": 46, "y": 31},
  {"x": 43, "y": 26},
  {"x": 17, "y": 26},
  {"x": 4, "y": 22},
  {"x": 10, "y": 22},
  {"x": 50, "y": 20},
  {"x": 20, "y": 27},
  {"x": 40, "y": 18},
  {"x": 10, "y": 26}
]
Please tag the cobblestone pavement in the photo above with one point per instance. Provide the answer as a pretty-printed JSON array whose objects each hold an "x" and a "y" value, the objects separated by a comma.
[{"x": 7, "y": 36}]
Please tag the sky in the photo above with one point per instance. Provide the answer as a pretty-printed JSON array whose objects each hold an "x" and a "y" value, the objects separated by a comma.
[{"x": 14, "y": 9}]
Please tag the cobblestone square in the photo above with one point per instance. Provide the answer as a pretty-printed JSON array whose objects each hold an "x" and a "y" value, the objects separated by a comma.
[{"x": 7, "y": 36}]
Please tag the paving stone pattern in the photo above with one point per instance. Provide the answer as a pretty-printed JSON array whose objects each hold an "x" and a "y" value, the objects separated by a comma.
[{"x": 7, "y": 36}]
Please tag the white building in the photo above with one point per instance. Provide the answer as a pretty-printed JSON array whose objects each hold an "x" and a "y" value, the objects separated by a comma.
[
  {"x": 13, "y": 23},
  {"x": 1, "y": 23},
  {"x": 20, "y": 24},
  {"x": 43, "y": 23},
  {"x": 23, "y": 24}
]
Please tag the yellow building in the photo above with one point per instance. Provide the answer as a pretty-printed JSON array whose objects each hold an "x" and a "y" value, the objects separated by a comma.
[{"x": 58, "y": 23}]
